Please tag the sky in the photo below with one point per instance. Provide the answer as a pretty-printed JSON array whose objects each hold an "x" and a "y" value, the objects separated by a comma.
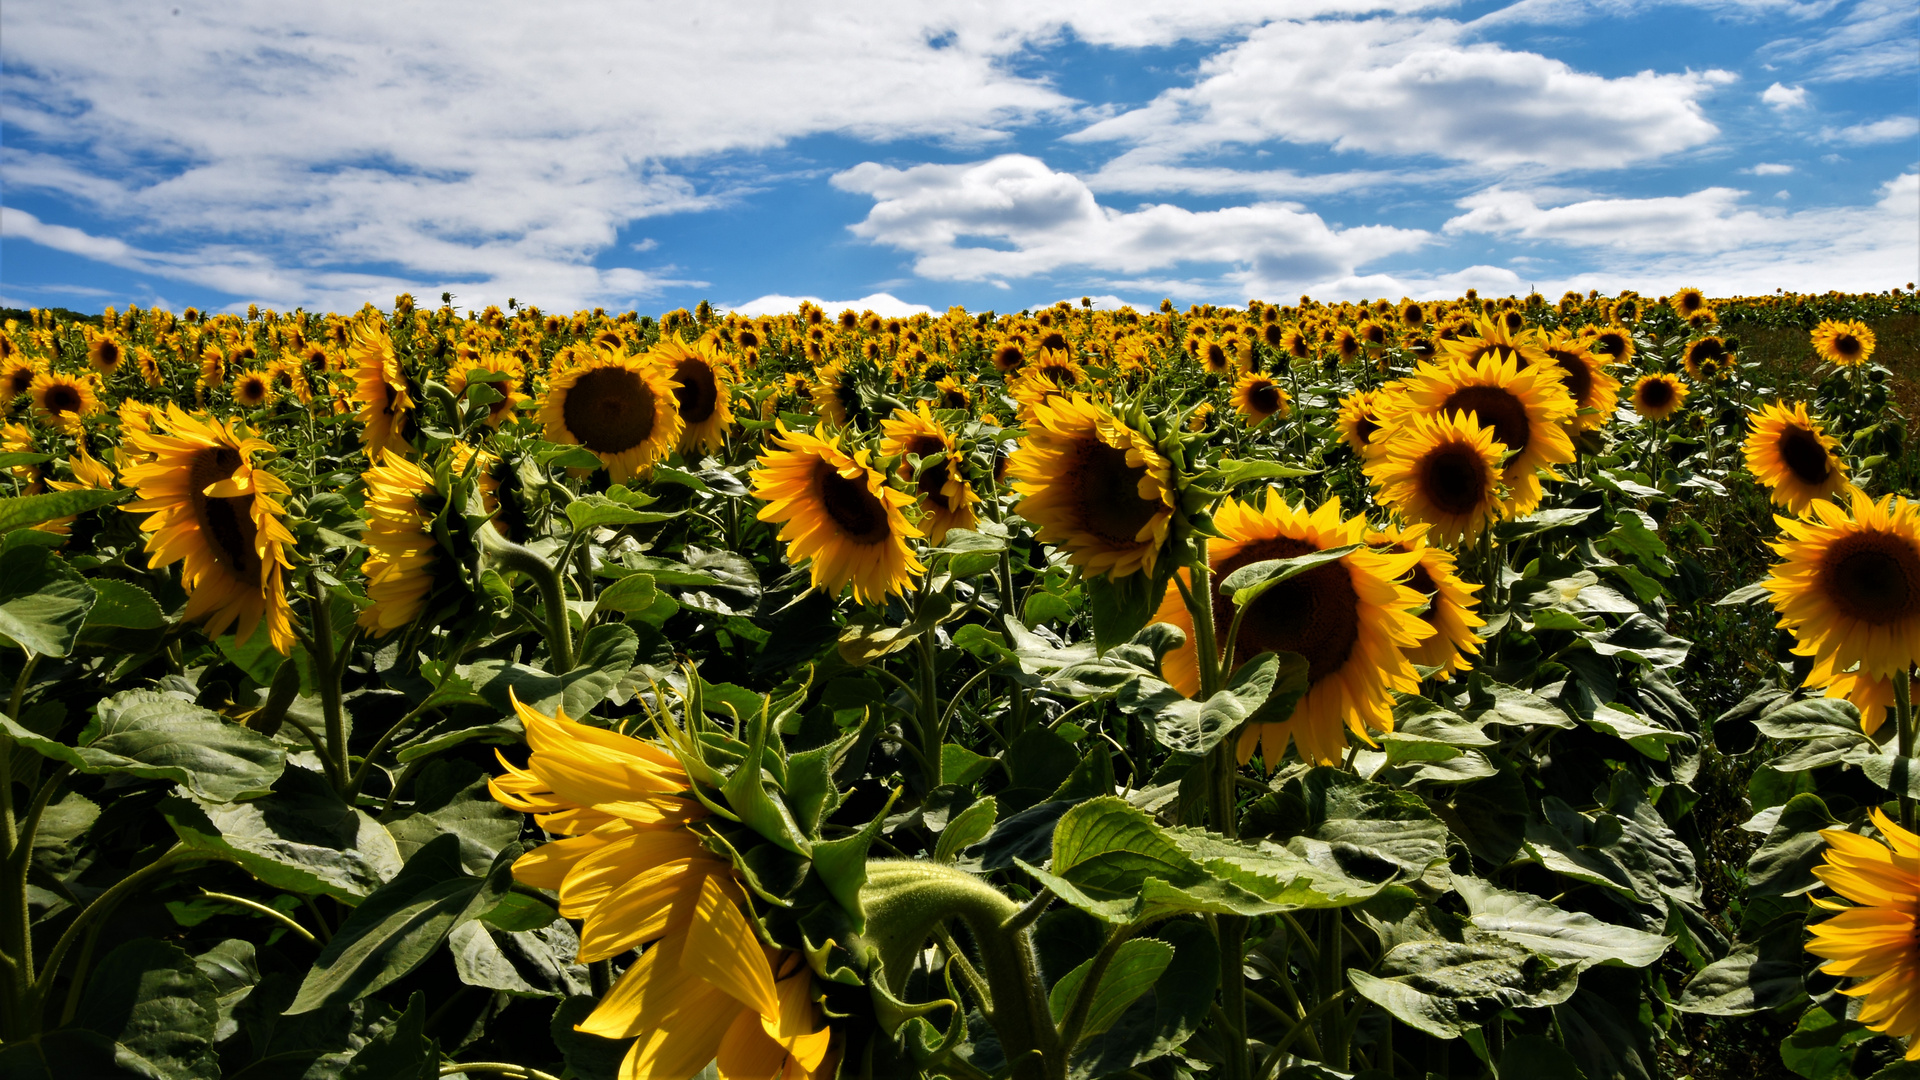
[{"x": 998, "y": 154}]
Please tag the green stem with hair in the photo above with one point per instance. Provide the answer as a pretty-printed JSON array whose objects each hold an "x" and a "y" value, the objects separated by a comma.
[{"x": 1903, "y": 718}]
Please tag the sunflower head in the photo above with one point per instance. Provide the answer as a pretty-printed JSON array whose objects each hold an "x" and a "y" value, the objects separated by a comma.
[
  {"x": 1789, "y": 452},
  {"x": 1595, "y": 393},
  {"x": 1659, "y": 395},
  {"x": 835, "y": 509},
  {"x": 1846, "y": 343},
  {"x": 253, "y": 389},
  {"x": 1687, "y": 302},
  {"x": 401, "y": 503},
  {"x": 1450, "y": 601},
  {"x": 383, "y": 392},
  {"x": 1442, "y": 471},
  {"x": 1872, "y": 938},
  {"x": 16, "y": 377},
  {"x": 1094, "y": 486},
  {"x": 1707, "y": 358},
  {"x": 1258, "y": 398},
  {"x": 704, "y": 393},
  {"x": 1849, "y": 586},
  {"x": 62, "y": 401},
  {"x": 105, "y": 354},
  {"x": 622, "y": 408},
  {"x": 1527, "y": 408},
  {"x": 1359, "y": 418},
  {"x": 507, "y": 375}
]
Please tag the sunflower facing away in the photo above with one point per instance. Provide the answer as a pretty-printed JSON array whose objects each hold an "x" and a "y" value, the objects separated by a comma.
[
  {"x": 1845, "y": 343},
  {"x": 1450, "y": 601},
  {"x": 1442, "y": 471},
  {"x": 1659, "y": 395},
  {"x": 1349, "y": 619},
  {"x": 210, "y": 509},
  {"x": 1527, "y": 408},
  {"x": 61, "y": 401},
  {"x": 835, "y": 509},
  {"x": 945, "y": 496},
  {"x": 704, "y": 393},
  {"x": 1790, "y": 453},
  {"x": 620, "y": 407},
  {"x": 1258, "y": 398},
  {"x": 634, "y": 870},
  {"x": 1095, "y": 487},
  {"x": 1874, "y": 939},
  {"x": 381, "y": 390},
  {"x": 400, "y": 551},
  {"x": 1849, "y": 586}
]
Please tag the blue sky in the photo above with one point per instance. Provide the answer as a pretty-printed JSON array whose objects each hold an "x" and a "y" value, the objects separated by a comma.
[{"x": 996, "y": 155}]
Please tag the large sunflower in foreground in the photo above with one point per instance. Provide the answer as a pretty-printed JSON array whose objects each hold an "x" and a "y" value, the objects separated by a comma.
[
  {"x": 1450, "y": 601},
  {"x": 1258, "y": 398},
  {"x": 620, "y": 407},
  {"x": 210, "y": 509},
  {"x": 945, "y": 496},
  {"x": 1349, "y": 620},
  {"x": 61, "y": 401},
  {"x": 704, "y": 393},
  {"x": 1443, "y": 471},
  {"x": 385, "y": 400},
  {"x": 1843, "y": 342},
  {"x": 400, "y": 550},
  {"x": 1849, "y": 587},
  {"x": 1790, "y": 453},
  {"x": 1527, "y": 408},
  {"x": 1875, "y": 940},
  {"x": 634, "y": 870},
  {"x": 1493, "y": 338},
  {"x": 1659, "y": 395},
  {"x": 836, "y": 509},
  {"x": 1094, "y": 487}
]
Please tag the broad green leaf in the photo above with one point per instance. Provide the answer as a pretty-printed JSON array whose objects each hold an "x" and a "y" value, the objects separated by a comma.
[
  {"x": 155, "y": 736},
  {"x": 518, "y": 912},
  {"x": 1567, "y": 937},
  {"x": 1810, "y": 718},
  {"x": 1823, "y": 1046},
  {"x": 402, "y": 923},
  {"x": 65, "y": 1054},
  {"x": 401, "y": 1050},
  {"x": 532, "y": 963},
  {"x": 1135, "y": 966},
  {"x": 1517, "y": 708},
  {"x": 42, "y": 603},
  {"x": 1232, "y": 473},
  {"x": 1783, "y": 865},
  {"x": 632, "y": 593},
  {"x": 1753, "y": 978},
  {"x": 1545, "y": 521},
  {"x": 1169, "y": 1013},
  {"x": 1196, "y": 727},
  {"x": 125, "y": 605},
  {"x": 966, "y": 828},
  {"x": 596, "y": 511},
  {"x": 1120, "y": 609},
  {"x": 1452, "y": 988},
  {"x": 451, "y": 797},
  {"x": 1247, "y": 583},
  {"x": 27, "y": 510},
  {"x": 605, "y": 655},
  {"x": 152, "y": 1000},
  {"x": 301, "y": 838}
]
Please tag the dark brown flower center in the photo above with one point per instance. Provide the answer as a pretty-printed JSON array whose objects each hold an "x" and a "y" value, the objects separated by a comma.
[
  {"x": 932, "y": 481},
  {"x": 226, "y": 523},
  {"x": 1846, "y": 345},
  {"x": 1364, "y": 428},
  {"x": 1108, "y": 490},
  {"x": 62, "y": 398},
  {"x": 1873, "y": 576},
  {"x": 1216, "y": 355},
  {"x": 699, "y": 392},
  {"x": 1454, "y": 478},
  {"x": 1656, "y": 394},
  {"x": 609, "y": 409},
  {"x": 1578, "y": 378},
  {"x": 1494, "y": 408},
  {"x": 1804, "y": 455},
  {"x": 1316, "y": 614},
  {"x": 18, "y": 381},
  {"x": 1265, "y": 398},
  {"x": 859, "y": 513}
]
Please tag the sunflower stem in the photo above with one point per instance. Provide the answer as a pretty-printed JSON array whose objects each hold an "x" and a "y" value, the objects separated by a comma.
[
  {"x": 1903, "y": 716},
  {"x": 546, "y": 578},
  {"x": 931, "y": 730},
  {"x": 16, "y": 847}
]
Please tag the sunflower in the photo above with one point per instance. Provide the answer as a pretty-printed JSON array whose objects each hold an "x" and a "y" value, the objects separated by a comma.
[
  {"x": 945, "y": 496},
  {"x": 1611, "y": 344},
  {"x": 620, "y": 407},
  {"x": 834, "y": 395},
  {"x": 1687, "y": 302},
  {"x": 253, "y": 389},
  {"x": 61, "y": 400},
  {"x": 16, "y": 377},
  {"x": 952, "y": 394},
  {"x": 633, "y": 870},
  {"x": 511, "y": 389},
  {"x": 400, "y": 550},
  {"x": 1790, "y": 453},
  {"x": 1625, "y": 310},
  {"x": 1030, "y": 388},
  {"x": 1346, "y": 344},
  {"x": 105, "y": 354},
  {"x": 88, "y": 472},
  {"x": 1595, "y": 393},
  {"x": 1493, "y": 337},
  {"x": 1258, "y": 397},
  {"x": 1845, "y": 343},
  {"x": 1876, "y": 938},
  {"x": 835, "y": 509},
  {"x": 1659, "y": 395},
  {"x": 1359, "y": 418},
  {"x": 1349, "y": 620},
  {"x": 209, "y": 508},
  {"x": 1849, "y": 587},
  {"x": 386, "y": 403},
  {"x": 704, "y": 394},
  {"x": 1707, "y": 358},
  {"x": 1450, "y": 601},
  {"x": 1094, "y": 486},
  {"x": 1527, "y": 408},
  {"x": 1443, "y": 471},
  {"x": 1008, "y": 357}
]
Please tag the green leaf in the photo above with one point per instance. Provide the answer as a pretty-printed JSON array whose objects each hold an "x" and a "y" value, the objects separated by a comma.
[
  {"x": 42, "y": 603},
  {"x": 155, "y": 736},
  {"x": 1119, "y": 609},
  {"x": 597, "y": 511},
  {"x": 1517, "y": 708},
  {"x": 518, "y": 912},
  {"x": 65, "y": 1054},
  {"x": 538, "y": 962},
  {"x": 1567, "y": 937},
  {"x": 632, "y": 593},
  {"x": 1823, "y": 1046},
  {"x": 1545, "y": 521},
  {"x": 27, "y": 510},
  {"x": 962, "y": 767},
  {"x": 124, "y": 605},
  {"x": 1452, "y": 988},
  {"x": 1247, "y": 583},
  {"x": 301, "y": 838},
  {"x": 605, "y": 653},
  {"x": 1196, "y": 727},
  {"x": 401, "y": 1051},
  {"x": 1783, "y": 866},
  {"x": 1169, "y": 1013},
  {"x": 1745, "y": 594},
  {"x": 588, "y": 1057},
  {"x": 966, "y": 829},
  {"x": 151, "y": 999},
  {"x": 1135, "y": 966},
  {"x": 1755, "y": 977},
  {"x": 1537, "y": 1055},
  {"x": 402, "y": 923},
  {"x": 1810, "y": 718},
  {"x": 451, "y": 798},
  {"x": 17, "y": 458}
]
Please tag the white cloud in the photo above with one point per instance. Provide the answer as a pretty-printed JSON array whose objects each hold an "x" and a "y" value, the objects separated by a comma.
[
  {"x": 1876, "y": 38},
  {"x": 1769, "y": 168},
  {"x": 1714, "y": 237},
  {"x": 1411, "y": 87},
  {"x": 1782, "y": 98},
  {"x": 1024, "y": 219},
  {"x": 1891, "y": 129},
  {"x": 879, "y": 303}
]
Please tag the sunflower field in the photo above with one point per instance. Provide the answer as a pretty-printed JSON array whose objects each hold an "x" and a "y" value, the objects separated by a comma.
[{"x": 1480, "y": 688}]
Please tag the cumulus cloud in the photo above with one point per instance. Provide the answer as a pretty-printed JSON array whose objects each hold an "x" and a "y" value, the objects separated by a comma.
[
  {"x": 1418, "y": 88},
  {"x": 1891, "y": 129},
  {"x": 879, "y": 303},
  {"x": 1014, "y": 217},
  {"x": 1783, "y": 98},
  {"x": 1713, "y": 234}
]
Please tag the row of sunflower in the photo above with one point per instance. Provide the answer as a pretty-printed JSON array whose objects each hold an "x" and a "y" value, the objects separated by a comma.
[{"x": 1305, "y": 689}]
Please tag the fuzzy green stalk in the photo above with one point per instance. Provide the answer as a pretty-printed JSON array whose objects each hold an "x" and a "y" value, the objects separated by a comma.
[
  {"x": 16, "y": 922},
  {"x": 546, "y": 578},
  {"x": 932, "y": 731}
]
